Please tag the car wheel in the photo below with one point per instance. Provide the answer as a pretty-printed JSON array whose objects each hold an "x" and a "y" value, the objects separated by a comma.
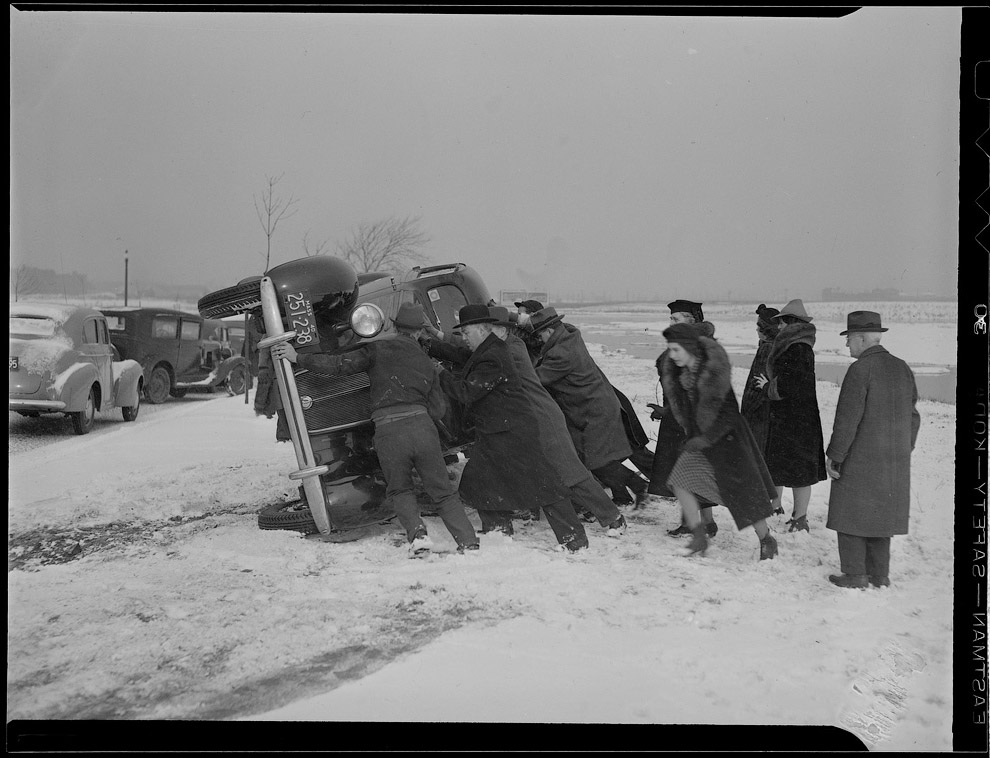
[
  {"x": 231, "y": 301},
  {"x": 156, "y": 391},
  {"x": 237, "y": 381},
  {"x": 82, "y": 421},
  {"x": 131, "y": 411},
  {"x": 293, "y": 516}
]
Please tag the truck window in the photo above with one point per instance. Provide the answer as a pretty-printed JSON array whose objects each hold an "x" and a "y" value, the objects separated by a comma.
[{"x": 446, "y": 301}]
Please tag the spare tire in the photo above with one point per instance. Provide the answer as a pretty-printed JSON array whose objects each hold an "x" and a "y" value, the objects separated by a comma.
[
  {"x": 294, "y": 516},
  {"x": 243, "y": 297}
]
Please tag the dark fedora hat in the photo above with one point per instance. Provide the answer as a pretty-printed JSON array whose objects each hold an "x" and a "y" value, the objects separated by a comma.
[
  {"x": 545, "y": 318},
  {"x": 501, "y": 315},
  {"x": 862, "y": 321},
  {"x": 410, "y": 316},
  {"x": 531, "y": 306},
  {"x": 474, "y": 314}
]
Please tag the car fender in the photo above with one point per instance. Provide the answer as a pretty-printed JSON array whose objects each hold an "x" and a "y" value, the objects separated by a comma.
[
  {"x": 127, "y": 376},
  {"x": 224, "y": 369},
  {"x": 73, "y": 384}
]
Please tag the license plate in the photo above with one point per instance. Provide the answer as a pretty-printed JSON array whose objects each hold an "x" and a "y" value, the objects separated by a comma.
[
  {"x": 300, "y": 317},
  {"x": 14, "y": 362}
]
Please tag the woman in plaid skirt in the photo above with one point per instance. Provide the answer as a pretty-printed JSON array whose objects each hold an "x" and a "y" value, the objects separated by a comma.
[{"x": 719, "y": 461}]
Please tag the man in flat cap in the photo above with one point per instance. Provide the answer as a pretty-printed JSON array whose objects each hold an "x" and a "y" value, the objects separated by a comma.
[
  {"x": 869, "y": 455},
  {"x": 404, "y": 386}
]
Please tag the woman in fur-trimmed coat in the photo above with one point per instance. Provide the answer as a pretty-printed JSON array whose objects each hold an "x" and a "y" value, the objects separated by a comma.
[
  {"x": 719, "y": 461},
  {"x": 795, "y": 448}
]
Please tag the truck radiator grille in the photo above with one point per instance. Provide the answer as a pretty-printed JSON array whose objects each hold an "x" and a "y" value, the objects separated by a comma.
[{"x": 339, "y": 402}]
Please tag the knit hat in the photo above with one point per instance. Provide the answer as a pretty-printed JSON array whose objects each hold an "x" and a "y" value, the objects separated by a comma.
[{"x": 765, "y": 316}]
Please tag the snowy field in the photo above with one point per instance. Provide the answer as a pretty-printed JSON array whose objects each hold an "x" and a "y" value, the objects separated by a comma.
[{"x": 170, "y": 603}]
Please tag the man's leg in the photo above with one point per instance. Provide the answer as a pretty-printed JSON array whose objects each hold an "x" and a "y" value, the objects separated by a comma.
[
  {"x": 428, "y": 460},
  {"x": 852, "y": 560},
  {"x": 395, "y": 458},
  {"x": 878, "y": 560},
  {"x": 588, "y": 495},
  {"x": 566, "y": 525}
]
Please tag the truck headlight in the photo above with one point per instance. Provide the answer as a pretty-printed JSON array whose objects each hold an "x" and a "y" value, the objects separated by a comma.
[{"x": 367, "y": 320}]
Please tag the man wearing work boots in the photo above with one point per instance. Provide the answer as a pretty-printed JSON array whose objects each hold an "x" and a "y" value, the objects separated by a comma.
[
  {"x": 402, "y": 380},
  {"x": 869, "y": 456}
]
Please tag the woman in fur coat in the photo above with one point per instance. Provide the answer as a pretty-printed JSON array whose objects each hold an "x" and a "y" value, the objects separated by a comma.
[
  {"x": 795, "y": 448},
  {"x": 755, "y": 407},
  {"x": 670, "y": 436},
  {"x": 719, "y": 461}
]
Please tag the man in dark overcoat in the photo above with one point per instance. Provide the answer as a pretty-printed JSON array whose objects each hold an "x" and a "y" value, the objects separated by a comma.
[
  {"x": 593, "y": 414},
  {"x": 869, "y": 455},
  {"x": 507, "y": 468},
  {"x": 403, "y": 389}
]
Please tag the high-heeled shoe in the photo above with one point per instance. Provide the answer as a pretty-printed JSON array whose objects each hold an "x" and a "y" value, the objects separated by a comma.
[
  {"x": 699, "y": 540},
  {"x": 799, "y": 524},
  {"x": 768, "y": 547}
]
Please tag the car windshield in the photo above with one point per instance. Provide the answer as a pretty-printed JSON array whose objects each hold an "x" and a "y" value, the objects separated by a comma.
[
  {"x": 116, "y": 323},
  {"x": 32, "y": 326}
]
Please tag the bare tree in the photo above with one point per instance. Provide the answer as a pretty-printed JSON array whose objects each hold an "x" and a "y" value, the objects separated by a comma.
[
  {"x": 313, "y": 249},
  {"x": 25, "y": 281},
  {"x": 392, "y": 243},
  {"x": 271, "y": 209}
]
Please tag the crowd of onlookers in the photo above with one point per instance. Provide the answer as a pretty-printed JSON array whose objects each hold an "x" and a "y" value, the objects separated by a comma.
[{"x": 553, "y": 435}]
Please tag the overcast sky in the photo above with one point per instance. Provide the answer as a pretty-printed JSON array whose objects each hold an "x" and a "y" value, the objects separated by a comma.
[{"x": 639, "y": 156}]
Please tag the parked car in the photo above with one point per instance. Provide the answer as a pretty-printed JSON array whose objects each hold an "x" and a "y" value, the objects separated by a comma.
[
  {"x": 61, "y": 361},
  {"x": 179, "y": 352},
  {"x": 329, "y": 307}
]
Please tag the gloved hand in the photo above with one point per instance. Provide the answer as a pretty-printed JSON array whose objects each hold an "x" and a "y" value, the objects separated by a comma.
[
  {"x": 696, "y": 444},
  {"x": 266, "y": 397},
  {"x": 658, "y": 411}
]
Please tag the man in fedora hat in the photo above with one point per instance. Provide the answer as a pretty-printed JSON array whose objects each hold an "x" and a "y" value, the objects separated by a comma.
[
  {"x": 404, "y": 387},
  {"x": 589, "y": 403},
  {"x": 869, "y": 455},
  {"x": 508, "y": 468},
  {"x": 586, "y": 494}
]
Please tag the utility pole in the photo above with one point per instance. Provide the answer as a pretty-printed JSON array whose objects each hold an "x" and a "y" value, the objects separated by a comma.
[{"x": 125, "y": 277}]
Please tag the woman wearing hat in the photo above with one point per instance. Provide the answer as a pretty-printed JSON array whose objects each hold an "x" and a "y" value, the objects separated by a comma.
[
  {"x": 670, "y": 436},
  {"x": 755, "y": 407},
  {"x": 719, "y": 461},
  {"x": 795, "y": 448}
]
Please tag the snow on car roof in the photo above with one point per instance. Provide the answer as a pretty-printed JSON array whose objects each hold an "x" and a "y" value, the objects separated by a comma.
[{"x": 57, "y": 313}]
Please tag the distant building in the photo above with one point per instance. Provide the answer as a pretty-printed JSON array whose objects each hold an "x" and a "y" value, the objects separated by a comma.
[{"x": 510, "y": 297}]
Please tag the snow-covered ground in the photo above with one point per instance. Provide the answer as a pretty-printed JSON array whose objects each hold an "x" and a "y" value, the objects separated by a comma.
[{"x": 176, "y": 606}]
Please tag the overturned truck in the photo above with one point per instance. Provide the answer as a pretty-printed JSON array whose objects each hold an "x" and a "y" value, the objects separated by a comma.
[{"x": 322, "y": 304}]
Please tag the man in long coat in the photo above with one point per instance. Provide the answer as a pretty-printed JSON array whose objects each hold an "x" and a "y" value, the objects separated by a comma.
[
  {"x": 594, "y": 416},
  {"x": 869, "y": 455},
  {"x": 507, "y": 468}
]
